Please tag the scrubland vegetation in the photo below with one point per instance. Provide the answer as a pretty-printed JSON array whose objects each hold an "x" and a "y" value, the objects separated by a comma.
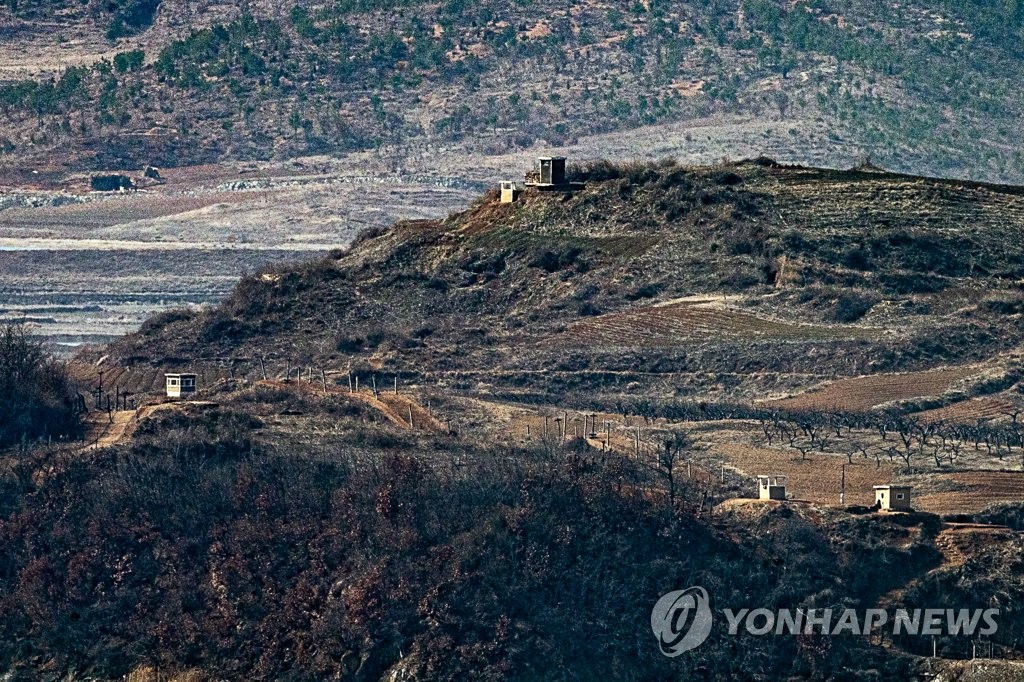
[{"x": 199, "y": 546}]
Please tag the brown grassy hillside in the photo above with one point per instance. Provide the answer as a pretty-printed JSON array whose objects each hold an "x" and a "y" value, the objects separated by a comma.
[{"x": 754, "y": 277}]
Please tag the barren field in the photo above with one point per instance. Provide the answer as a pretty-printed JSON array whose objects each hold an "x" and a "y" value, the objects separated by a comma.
[
  {"x": 818, "y": 479},
  {"x": 864, "y": 393},
  {"x": 970, "y": 411},
  {"x": 968, "y": 492}
]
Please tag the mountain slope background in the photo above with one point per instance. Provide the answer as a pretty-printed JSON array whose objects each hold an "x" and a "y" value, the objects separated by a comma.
[{"x": 928, "y": 87}]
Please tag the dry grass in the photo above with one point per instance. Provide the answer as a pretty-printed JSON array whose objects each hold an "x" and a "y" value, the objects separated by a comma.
[
  {"x": 668, "y": 325},
  {"x": 151, "y": 674}
]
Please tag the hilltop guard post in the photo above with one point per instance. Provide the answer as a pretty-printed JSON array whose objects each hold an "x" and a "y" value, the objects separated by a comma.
[
  {"x": 550, "y": 172},
  {"x": 180, "y": 385},
  {"x": 510, "y": 191},
  {"x": 892, "y": 497},
  {"x": 772, "y": 487},
  {"x": 549, "y": 176}
]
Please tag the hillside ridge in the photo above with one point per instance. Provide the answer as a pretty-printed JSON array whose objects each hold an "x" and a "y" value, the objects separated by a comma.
[{"x": 791, "y": 267}]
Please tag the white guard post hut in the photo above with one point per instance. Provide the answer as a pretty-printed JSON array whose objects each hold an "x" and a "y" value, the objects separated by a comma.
[
  {"x": 180, "y": 385},
  {"x": 772, "y": 487},
  {"x": 892, "y": 497},
  {"x": 510, "y": 191}
]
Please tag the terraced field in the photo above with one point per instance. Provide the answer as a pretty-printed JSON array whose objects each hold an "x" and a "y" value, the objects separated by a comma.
[
  {"x": 985, "y": 211},
  {"x": 682, "y": 322},
  {"x": 969, "y": 411},
  {"x": 972, "y": 491},
  {"x": 860, "y": 394}
]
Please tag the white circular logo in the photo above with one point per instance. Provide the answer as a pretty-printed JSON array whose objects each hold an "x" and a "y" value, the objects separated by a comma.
[{"x": 681, "y": 620}]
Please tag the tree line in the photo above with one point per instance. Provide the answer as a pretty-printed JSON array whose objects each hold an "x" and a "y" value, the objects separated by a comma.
[{"x": 35, "y": 391}]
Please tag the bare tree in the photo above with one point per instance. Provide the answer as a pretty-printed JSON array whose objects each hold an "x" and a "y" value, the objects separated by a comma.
[
  {"x": 673, "y": 448},
  {"x": 804, "y": 448}
]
